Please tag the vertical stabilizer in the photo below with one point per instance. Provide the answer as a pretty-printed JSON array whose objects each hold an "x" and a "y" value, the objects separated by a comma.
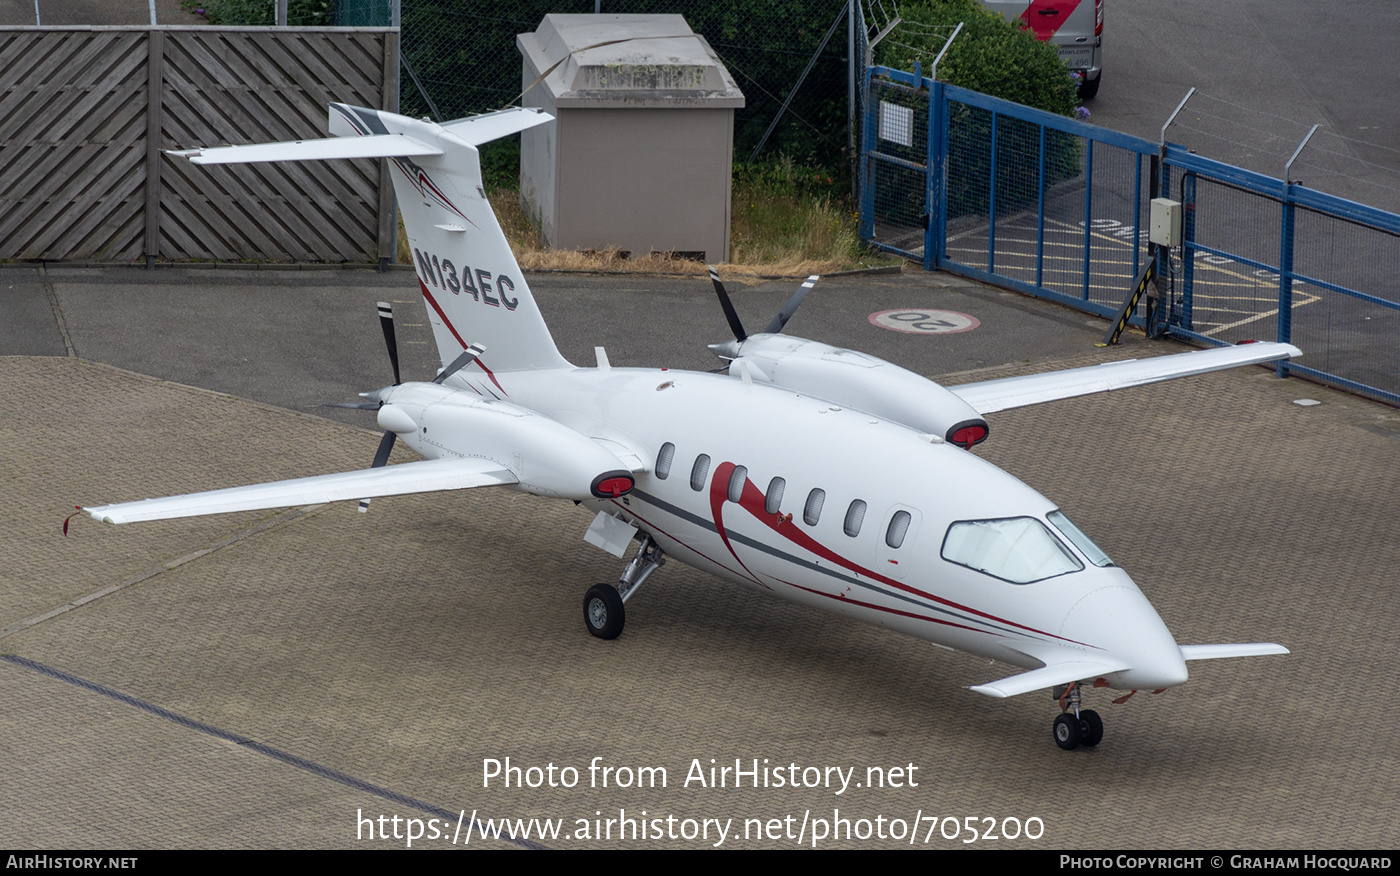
[
  {"x": 471, "y": 284},
  {"x": 469, "y": 278}
]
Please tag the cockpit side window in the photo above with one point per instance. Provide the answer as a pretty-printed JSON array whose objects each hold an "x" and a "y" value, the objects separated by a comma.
[
  {"x": 1076, "y": 535},
  {"x": 1016, "y": 549}
]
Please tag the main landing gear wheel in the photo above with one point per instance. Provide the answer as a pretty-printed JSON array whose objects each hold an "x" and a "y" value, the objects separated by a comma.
[
  {"x": 1090, "y": 728},
  {"x": 603, "y": 613},
  {"x": 1067, "y": 732}
]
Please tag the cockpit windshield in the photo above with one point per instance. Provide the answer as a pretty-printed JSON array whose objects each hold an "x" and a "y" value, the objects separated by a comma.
[{"x": 1016, "y": 549}]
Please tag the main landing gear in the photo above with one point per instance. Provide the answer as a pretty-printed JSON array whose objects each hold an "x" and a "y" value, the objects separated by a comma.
[
  {"x": 603, "y": 613},
  {"x": 1075, "y": 726}
]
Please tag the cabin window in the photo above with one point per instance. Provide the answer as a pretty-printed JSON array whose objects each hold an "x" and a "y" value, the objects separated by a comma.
[
  {"x": 855, "y": 516},
  {"x": 736, "y": 483},
  {"x": 1076, "y": 535},
  {"x": 773, "y": 499},
  {"x": 699, "y": 471},
  {"x": 663, "y": 460},
  {"x": 1016, "y": 549},
  {"x": 812, "y": 511},
  {"x": 898, "y": 528}
]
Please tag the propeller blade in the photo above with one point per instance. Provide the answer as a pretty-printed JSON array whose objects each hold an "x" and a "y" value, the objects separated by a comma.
[
  {"x": 791, "y": 307},
  {"x": 386, "y": 322},
  {"x": 468, "y": 356},
  {"x": 729, "y": 314},
  {"x": 381, "y": 456}
]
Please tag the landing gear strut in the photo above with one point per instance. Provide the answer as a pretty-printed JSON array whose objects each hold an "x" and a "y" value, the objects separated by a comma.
[
  {"x": 1075, "y": 726},
  {"x": 603, "y": 613}
]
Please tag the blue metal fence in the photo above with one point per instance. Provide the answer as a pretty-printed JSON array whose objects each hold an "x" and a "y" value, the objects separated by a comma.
[{"x": 1058, "y": 208}]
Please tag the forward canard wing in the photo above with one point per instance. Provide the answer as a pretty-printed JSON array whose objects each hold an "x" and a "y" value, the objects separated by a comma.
[
  {"x": 426, "y": 476},
  {"x": 1048, "y": 676},
  {"x": 990, "y": 396},
  {"x": 1086, "y": 670}
]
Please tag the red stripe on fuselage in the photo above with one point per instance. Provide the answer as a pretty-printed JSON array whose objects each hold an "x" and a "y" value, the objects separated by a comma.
[
  {"x": 719, "y": 491},
  {"x": 428, "y": 297},
  {"x": 752, "y": 501},
  {"x": 699, "y": 553}
]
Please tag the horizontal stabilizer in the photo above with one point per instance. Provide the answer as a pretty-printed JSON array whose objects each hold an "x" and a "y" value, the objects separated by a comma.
[
  {"x": 374, "y": 146},
  {"x": 1047, "y": 676},
  {"x": 1014, "y": 392},
  {"x": 1215, "y": 652},
  {"x": 493, "y": 126},
  {"x": 426, "y": 476}
]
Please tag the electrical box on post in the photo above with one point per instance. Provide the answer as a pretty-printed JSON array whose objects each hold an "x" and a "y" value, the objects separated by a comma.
[{"x": 1165, "y": 222}]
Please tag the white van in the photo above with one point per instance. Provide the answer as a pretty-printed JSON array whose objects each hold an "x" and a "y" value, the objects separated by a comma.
[{"x": 1075, "y": 27}]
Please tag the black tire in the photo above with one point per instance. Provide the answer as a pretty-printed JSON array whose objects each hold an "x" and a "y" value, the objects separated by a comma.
[
  {"x": 603, "y": 613},
  {"x": 1089, "y": 88},
  {"x": 1066, "y": 729},
  {"x": 1090, "y": 728}
]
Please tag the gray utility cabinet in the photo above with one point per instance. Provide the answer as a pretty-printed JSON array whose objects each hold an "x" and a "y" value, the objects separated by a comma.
[{"x": 639, "y": 156}]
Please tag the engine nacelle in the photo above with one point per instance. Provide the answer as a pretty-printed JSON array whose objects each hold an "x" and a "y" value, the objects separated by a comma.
[
  {"x": 547, "y": 457},
  {"x": 855, "y": 380}
]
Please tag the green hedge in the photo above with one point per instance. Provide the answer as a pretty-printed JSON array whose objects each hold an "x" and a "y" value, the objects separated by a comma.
[
  {"x": 990, "y": 55},
  {"x": 1001, "y": 59},
  {"x": 260, "y": 13}
]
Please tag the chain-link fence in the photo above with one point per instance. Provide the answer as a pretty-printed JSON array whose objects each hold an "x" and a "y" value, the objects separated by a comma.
[{"x": 462, "y": 58}]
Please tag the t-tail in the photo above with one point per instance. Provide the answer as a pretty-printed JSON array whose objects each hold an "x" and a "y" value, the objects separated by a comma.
[{"x": 471, "y": 283}]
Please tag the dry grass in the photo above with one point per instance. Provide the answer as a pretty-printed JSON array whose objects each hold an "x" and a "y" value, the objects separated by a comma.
[{"x": 773, "y": 233}]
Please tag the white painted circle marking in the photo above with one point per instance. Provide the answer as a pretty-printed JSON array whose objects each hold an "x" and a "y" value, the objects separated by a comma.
[{"x": 919, "y": 321}]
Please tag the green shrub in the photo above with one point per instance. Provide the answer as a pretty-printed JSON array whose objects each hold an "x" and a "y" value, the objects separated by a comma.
[
  {"x": 1001, "y": 59},
  {"x": 990, "y": 55},
  {"x": 253, "y": 13}
]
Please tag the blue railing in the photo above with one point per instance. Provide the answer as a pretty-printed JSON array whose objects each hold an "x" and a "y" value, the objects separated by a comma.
[{"x": 1058, "y": 208}]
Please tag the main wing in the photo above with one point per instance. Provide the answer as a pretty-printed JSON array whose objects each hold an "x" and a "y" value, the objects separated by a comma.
[
  {"x": 426, "y": 476},
  {"x": 989, "y": 396}
]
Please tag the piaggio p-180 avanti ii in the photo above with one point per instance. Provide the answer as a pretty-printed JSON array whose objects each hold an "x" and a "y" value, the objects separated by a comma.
[{"x": 704, "y": 468}]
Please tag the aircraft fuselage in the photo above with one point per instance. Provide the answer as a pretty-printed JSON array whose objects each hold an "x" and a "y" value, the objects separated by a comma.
[{"x": 873, "y": 545}]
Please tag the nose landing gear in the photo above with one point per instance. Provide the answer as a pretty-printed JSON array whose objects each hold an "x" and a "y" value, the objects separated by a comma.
[
  {"x": 603, "y": 613},
  {"x": 1075, "y": 726}
]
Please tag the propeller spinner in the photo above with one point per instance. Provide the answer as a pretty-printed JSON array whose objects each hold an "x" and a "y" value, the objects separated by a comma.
[
  {"x": 730, "y": 349},
  {"x": 376, "y": 399}
]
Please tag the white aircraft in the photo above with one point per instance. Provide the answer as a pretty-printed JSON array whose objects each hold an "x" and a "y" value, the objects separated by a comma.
[{"x": 819, "y": 474}]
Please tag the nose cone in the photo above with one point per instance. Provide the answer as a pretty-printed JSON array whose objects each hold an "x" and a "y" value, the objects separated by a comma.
[{"x": 1120, "y": 620}]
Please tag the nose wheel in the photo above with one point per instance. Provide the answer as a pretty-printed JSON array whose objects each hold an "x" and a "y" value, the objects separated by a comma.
[
  {"x": 603, "y": 612},
  {"x": 1075, "y": 726}
]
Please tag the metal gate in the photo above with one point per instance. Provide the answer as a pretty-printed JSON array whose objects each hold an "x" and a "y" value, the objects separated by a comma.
[{"x": 1057, "y": 208}]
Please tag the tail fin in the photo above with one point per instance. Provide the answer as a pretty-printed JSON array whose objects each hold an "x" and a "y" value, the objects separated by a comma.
[{"x": 469, "y": 278}]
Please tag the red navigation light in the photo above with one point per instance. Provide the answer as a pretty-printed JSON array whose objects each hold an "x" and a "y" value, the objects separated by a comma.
[
  {"x": 967, "y": 433},
  {"x": 611, "y": 485}
]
